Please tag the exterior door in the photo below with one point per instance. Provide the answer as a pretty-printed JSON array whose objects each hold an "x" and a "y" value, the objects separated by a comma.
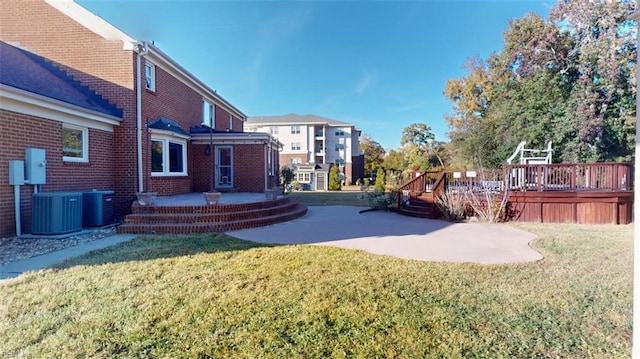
[{"x": 224, "y": 167}]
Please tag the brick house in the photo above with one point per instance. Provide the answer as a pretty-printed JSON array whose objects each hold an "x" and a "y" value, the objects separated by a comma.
[
  {"x": 167, "y": 119},
  {"x": 312, "y": 139}
]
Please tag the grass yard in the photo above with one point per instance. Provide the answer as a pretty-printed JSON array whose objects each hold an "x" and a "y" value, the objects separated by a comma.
[
  {"x": 332, "y": 198},
  {"x": 213, "y": 296}
]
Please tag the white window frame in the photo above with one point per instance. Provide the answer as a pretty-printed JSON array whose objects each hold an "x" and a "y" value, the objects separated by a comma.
[
  {"x": 295, "y": 146},
  {"x": 295, "y": 129},
  {"x": 296, "y": 160},
  {"x": 303, "y": 177},
  {"x": 231, "y": 122},
  {"x": 339, "y": 132},
  {"x": 339, "y": 147},
  {"x": 150, "y": 76},
  {"x": 165, "y": 155},
  {"x": 274, "y": 130},
  {"x": 208, "y": 108},
  {"x": 85, "y": 143},
  {"x": 339, "y": 161}
]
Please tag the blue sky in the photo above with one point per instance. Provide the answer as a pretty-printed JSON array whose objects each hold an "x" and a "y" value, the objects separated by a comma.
[{"x": 380, "y": 65}]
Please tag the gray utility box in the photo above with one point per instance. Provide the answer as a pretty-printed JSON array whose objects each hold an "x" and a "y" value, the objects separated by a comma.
[
  {"x": 56, "y": 212},
  {"x": 98, "y": 208}
]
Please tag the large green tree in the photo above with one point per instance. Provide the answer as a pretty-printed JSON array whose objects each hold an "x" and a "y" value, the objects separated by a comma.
[
  {"x": 373, "y": 154},
  {"x": 569, "y": 79},
  {"x": 420, "y": 143}
]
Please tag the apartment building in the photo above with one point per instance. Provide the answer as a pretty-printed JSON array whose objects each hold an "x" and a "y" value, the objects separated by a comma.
[{"x": 311, "y": 139}]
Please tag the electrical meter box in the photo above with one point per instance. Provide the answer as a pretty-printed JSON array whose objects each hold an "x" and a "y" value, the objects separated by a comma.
[
  {"x": 35, "y": 166},
  {"x": 16, "y": 172}
]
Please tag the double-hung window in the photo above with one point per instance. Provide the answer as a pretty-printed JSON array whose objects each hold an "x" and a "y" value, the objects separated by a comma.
[
  {"x": 339, "y": 132},
  {"x": 339, "y": 146},
  {"x": 295, "y": 146},
  {"x": 75, "y": 143},
  {"x": 168, "y": 156},
  {"x": 274, "y": 130},
  {"x": 150, "y": 76},
  {"x": 295, "y": 129}
]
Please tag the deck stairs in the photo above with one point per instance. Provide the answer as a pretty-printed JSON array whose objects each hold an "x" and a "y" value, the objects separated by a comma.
[{"x": 421, "y": 206}]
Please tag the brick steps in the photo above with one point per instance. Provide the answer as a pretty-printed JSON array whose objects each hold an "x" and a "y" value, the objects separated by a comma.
[
  {"x": 159, "y": 218},
  {"x": 203, "y": 219}
]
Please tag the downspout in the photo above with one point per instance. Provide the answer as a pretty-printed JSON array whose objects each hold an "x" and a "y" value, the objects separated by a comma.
[
  {"x": 142, "y": 51},
  {"x": 266, "y": 162}
]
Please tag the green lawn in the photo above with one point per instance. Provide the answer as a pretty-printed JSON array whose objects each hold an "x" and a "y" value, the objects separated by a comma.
[
  {"x": 214, "y": 296},
  {"x": 332, "y": 198}
]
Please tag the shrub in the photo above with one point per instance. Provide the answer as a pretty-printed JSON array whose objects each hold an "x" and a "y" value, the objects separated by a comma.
[
  {"x": 380, "y": 180},
  {"x": 334, "y": 179},
  {"x": 452, "y": 205},
  {"x": 377, "y": 199}
]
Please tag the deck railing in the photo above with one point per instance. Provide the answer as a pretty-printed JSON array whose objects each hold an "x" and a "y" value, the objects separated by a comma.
[
  {"x": 610, "y": 176},
  {"x": 423, "y": 183},
  {"x": 570, "y": 177}
]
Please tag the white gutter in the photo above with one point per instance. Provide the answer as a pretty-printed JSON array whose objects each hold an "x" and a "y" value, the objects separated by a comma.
[{"x": 142, "y": 50}]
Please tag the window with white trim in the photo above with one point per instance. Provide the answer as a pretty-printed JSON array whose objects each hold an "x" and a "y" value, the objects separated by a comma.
[
  {"x": 272, "y": 170},
  {"x": 75, "y": 143},
  {"x": 296, "y": 160},
  {"x": 303, "y": 177},
  {"x": 168, "y": 157},
  {"x": 150, "y": 76},
  {"x": 295, "y": 129},
  {"x": 208, "y": 114},
  {"x": 295, "y": 146},
  {"x": 274, "y": 130},
  {"x": 231, "y": 122},
  {"x": 339, "y": 161},
  {"x": 339, "y": 132},
  {"x": 339, "y": 146}
]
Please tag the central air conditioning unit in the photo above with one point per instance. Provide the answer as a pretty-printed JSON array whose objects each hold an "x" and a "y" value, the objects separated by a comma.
[
  {"x": 98, "y": 208},
  {"x": 56, "y": 213}
]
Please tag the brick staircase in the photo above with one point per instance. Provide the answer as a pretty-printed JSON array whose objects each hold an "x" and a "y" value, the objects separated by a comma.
[
  {"x": 421, "y": 206},
  {"x": 202, "y": 219}
]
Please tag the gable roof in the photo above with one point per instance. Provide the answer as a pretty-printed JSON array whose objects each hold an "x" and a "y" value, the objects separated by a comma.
[
  {"x": 294, "y": 119},
  {"x": 32, "y": 73}
]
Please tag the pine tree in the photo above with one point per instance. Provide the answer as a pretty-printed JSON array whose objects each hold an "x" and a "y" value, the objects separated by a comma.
[{"x": 380, "y": 180}]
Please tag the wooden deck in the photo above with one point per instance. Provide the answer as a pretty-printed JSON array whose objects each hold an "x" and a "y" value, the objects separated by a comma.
[{"x": 592, "y": 193}]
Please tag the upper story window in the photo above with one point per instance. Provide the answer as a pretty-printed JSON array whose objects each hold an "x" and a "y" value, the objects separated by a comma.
[
  {"x": 340, "y": 161},
  {"x": 150, "y": 76},
  {"x": 295, "y": 129},
  {"x": 296, "y": 160},
  {"x": 208, "y": 114},
  {"x": 75, "y": 143},
  {"x": 339, "y": 132},
  {"x": 295, "y": 146},
  {"x": 274, "y": 130},
  {"x": 339, "y": 146},
  {"x": 168, "y": 156},
  {"x": 231, "y": 122}
]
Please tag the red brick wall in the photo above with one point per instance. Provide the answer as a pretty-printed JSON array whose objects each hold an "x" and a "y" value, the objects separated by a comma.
[
  {"x": 249, "y": 165},
  {"x": 98, "y": 63},
  {"x": 20, "y": 131}
]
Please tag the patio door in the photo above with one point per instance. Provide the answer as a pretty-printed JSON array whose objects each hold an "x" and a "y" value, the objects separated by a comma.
[{"x": 224, "y": 167}]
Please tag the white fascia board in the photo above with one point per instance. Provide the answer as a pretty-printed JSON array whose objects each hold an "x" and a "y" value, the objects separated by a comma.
[
  {"x": 167, "y": 133},
  {"x": 20, "y": 101},
  {"x": 244, "y": 138},
  {"x": 161, "y": 59},
  {"x": 92, "y": 22}
]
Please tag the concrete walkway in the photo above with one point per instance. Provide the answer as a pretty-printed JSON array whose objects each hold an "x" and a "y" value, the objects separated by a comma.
[
  {"x": 14, "y": 269},
  {"x": 376, "y": 232},
  {"x": 388, "y": 233}
]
